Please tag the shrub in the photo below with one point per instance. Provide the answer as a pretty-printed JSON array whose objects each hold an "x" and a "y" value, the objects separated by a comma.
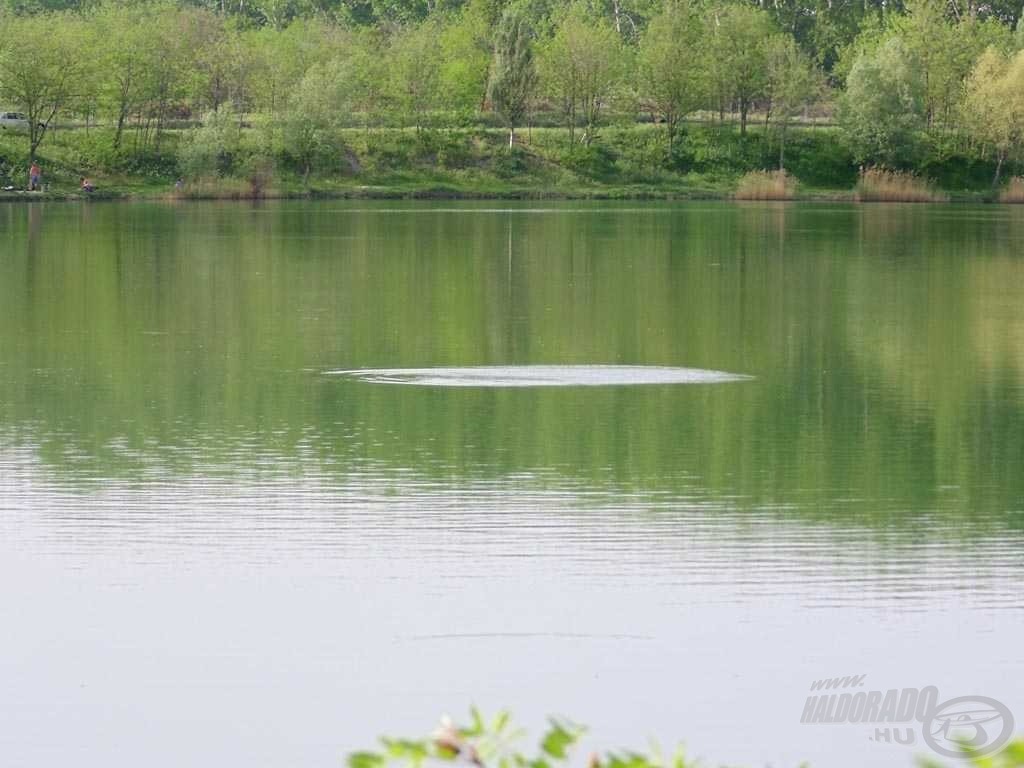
[
  {"x": 885, "y": 186},
  {"x": 508, "y": 163},
  {"x": 383, "y": 153},
  {"x": 766, "y": 185},
  {"x": 819, "y": 159},
  {"x": 595, "y": 161},
  {"x": 213, "y": 147}
]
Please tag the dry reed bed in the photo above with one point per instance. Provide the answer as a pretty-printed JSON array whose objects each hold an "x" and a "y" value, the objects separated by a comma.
[
  {"x": 766, "y": 185},
  {"x": 1013, "y": 192},
  {"x": 878, "y": 185}
]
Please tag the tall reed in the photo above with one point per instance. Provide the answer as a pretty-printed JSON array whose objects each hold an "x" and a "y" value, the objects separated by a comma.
[
  {"x": 879, "y": 185},
  {"x": 766, "y": 185},
  {"x": 1013, "y": 192}
]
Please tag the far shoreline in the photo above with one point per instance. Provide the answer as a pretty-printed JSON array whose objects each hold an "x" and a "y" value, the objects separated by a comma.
[{"x": 446, "y": 193}]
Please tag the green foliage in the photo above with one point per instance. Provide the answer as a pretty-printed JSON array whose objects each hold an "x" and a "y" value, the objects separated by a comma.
[
  {"x": 560, "y": 739},
  {"x": 582, "y": 67},
  {"x": 1011, "y": 756},
  {"x": 994, "y": 106},
  {"x": 42, "y": 70},
  {"x": 414, "y": 68},
  {"x": 793, "y": 83},
  {"x": 738, "y": 69},
  {"x": 818, "y": 160},
  {"x": 465, "y": 58},
  {"x": 882, "y": 109},
  {"x": 672, "y": 64},
  {"x": 902, "y": 77},
  {"x": 213, "y": 148},
  {"x": 95, "y": 152},
  {"x": 495, "y": 742},
  {"x": 507, "y": 165},
  {"x": 309, "y": 123},
  {"x": 595, "y": 161},
  {"x": 943, "y": 159},
  {"x": 488, "y": 741},
  {"x": 513, "y": 75}
]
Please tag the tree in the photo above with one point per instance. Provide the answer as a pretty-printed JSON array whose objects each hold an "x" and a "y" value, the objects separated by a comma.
[
  {"x": 883, "y": 106},
  {"x": 279, "y": 58},
  {"x": 466, "y": 55},
  {"x": 415, "y": 67},
  {"x": 313, "y": 115},
  {"x": 169, "y": 67},
  {"x": 671, "y": 70},
  {"x": 739, "y": 40},
  {"x": 993, "y": 108},
  {"x": 793, "y": 83},
  {"x": 213, "y": 148},
  {"x": 513, "y": 76},
  {"x": 123, "y": 66},
  {"x": 581, "y": 67},
  {"x": 944, "y": 52},
  {"x": 41, "y": 69}
]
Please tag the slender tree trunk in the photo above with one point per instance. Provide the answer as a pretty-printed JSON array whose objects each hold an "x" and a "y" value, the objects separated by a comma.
[
  {"x": 511, "y": 136},
  {"x": 782, "y": 148},
  {"x": 999, "y": 167},
  {"x": 122, "y": 115}
]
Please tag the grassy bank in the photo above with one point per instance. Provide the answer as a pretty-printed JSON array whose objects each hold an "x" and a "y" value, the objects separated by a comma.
[{"x": 630, "y": 162}]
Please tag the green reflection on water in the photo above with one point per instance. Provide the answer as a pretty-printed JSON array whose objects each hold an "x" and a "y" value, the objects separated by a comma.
[{"x": 887, "y": 344}]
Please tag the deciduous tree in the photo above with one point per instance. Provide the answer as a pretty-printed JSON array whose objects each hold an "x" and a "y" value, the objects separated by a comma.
[
  {"x": 42, "y": 69},
  {"x": 582, "y": 65},
  {"x": 513, "y": 75},
  {"x": 671, "y": 64},
  {"x": 793, "y": 83}
]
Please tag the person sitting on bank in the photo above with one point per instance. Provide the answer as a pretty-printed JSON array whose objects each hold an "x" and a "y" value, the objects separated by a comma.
[{"x": 87, "y": 185}]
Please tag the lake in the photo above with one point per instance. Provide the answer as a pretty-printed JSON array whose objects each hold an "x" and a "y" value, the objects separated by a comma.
[{"x": 219, "y": 546}]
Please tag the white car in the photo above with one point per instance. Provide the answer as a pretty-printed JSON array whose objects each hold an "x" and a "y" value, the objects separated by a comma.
[{"x": 13, "y": 121}]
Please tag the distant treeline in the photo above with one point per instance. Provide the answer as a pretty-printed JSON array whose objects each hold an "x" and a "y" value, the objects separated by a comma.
[{"x": 892, "y": 75}]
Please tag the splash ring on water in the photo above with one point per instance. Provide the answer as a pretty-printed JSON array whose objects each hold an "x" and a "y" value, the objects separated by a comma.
[{"x": 541, "y": 376}]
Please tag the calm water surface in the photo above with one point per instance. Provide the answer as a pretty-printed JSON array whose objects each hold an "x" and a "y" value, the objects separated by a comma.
[{"x": 215, "y": 552}]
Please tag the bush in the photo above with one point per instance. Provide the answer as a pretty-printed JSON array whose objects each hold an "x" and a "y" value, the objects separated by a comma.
[
  {"x": 639, "y": 151},
  {"x": 383, "y": 153},
  {"x": 213, "y": 148},
  {"x": 819, "y": 159},
  {"x": 508, "y": 163},
  {"x": 595, "y": 161}
]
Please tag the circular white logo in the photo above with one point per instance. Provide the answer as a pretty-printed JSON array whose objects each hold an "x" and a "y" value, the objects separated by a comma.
[{"x": 977, "y": 723}]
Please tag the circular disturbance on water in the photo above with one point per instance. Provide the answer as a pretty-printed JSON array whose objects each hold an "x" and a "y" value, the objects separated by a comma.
[{"x": 541, "y": 376}]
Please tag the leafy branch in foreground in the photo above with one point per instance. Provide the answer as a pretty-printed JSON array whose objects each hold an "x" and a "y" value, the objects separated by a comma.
[{"x": 493, "y": 742}]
